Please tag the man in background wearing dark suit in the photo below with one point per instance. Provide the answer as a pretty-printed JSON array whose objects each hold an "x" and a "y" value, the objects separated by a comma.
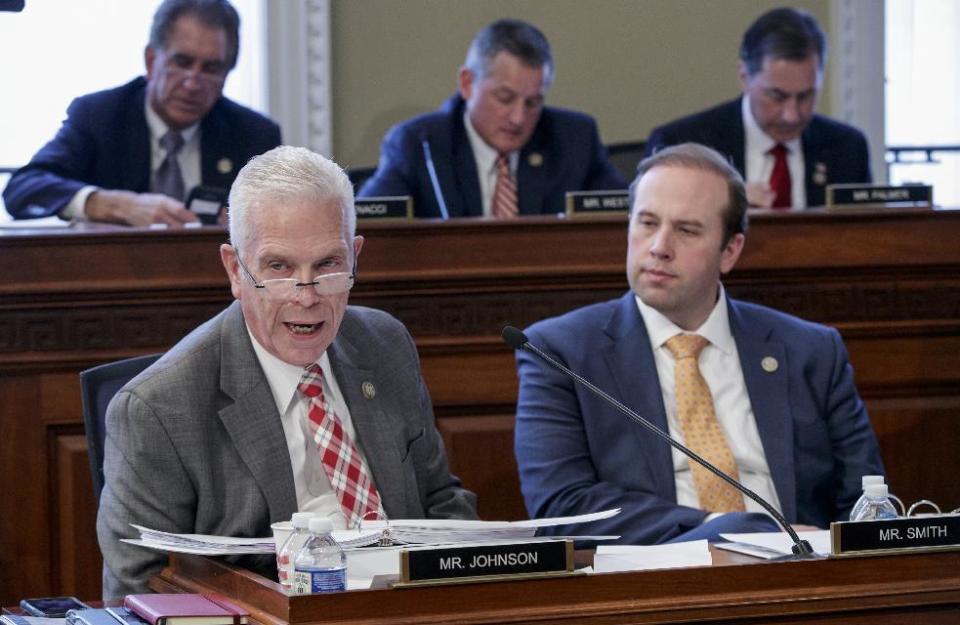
[
  {"x": 494, "y": 148},
  {"x": 131, "y": 154},
  {"x": 786, "y": 152}
]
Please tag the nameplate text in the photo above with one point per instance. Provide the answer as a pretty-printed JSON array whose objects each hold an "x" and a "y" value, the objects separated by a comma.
[
  {"x": 393, "y": 207},
  {"x": 938, "y": 532},
  {"x": 459, "y": 563},
  {"x": 597, "y": 202}
]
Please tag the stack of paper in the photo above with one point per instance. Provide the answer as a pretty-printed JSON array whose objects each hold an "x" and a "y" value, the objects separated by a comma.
[
  {"x": 382, "y": 533},
  {"x": 770, "y": 545}
]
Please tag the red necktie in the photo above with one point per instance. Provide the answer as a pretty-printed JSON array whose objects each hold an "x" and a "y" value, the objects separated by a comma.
[
  {"x": 780, "y": 177},
  {"x": 348, "y": 476},
  {"x": 505, "y": 203}
]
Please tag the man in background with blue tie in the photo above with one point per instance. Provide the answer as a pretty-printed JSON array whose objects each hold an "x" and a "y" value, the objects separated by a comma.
[
  {"x": 786, "y": 152},
  {"x": 132, "y": 154}
]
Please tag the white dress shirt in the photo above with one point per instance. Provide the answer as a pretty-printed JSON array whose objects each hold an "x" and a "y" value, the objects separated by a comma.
[
  {"x": 720, "y": 366},
  {"x": 759, "y": 163},
  {"x": 189, "y": 159},
  {"x": 314, "y": 492},
  {"x": 486, "y": 159}
]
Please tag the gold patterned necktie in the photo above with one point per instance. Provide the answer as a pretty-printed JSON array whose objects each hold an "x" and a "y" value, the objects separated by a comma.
[
  {"x": 701, "y": 430},
  {"x": 505, "y": 203}
]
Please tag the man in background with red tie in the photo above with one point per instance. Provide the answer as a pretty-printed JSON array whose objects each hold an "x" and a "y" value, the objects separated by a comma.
[
  {"x": 768, "y": 398},
  {"x": 131, "y": 154},
  {"x": 287, "y": 400},
  {"x": 495, "y": 149},
  {"x": 785, "y": 151}
]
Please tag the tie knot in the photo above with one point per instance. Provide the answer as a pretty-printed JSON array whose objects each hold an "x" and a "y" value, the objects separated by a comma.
[
  {"x": 503, "y": 165},
  {"x": 778, "y": 151},
  {"x": 686, "y": 345},
  {"x": 311, "y": 384},
  {"x": 172, "y": 141}
]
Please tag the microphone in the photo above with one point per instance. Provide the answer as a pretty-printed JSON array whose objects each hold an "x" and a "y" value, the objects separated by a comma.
[
  {"x": 434, "y": 181},
  {"x": 516, "y": 339},
  {"x": 206, "y": 203}
]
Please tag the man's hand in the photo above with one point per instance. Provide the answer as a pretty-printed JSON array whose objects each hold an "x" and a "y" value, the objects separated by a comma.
[
  {"x": 759, "y": 195},
  {"x": 137, "y": 209}
]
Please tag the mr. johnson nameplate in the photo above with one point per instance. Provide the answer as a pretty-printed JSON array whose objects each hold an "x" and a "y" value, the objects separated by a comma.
[{"x": 460, "y": 563}]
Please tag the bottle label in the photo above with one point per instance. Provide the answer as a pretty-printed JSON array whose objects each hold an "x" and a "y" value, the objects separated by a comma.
[{"x": 309, "y": 581}]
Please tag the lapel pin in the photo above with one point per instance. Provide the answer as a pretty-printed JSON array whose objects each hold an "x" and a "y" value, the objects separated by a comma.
[
  {"x": 769, "y": 364},
  {"x": 224, "y": 165},
  {"x": 369, "y": 390},
  {"x": 820, "y": 173},
  {"x": 535, "y": 159}
]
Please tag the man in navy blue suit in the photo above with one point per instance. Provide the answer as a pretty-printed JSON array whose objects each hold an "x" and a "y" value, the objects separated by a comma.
[
  {"x": 447, "y": 160},
  {"x": 131, "y": 154},
  {"x": 781, "y": 70},
  {"x": 781, "y": 388}
]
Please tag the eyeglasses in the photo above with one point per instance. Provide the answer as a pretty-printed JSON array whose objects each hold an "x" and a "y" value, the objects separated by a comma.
[
  {"x": 287, "y": 289},
  {"x": 180, "y": 66}
]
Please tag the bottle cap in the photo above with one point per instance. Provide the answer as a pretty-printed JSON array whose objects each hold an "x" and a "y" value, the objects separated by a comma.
[
  {"x": 301, "y": 520},
  {"x": 321, "y": 525},
  {"x": 876, "y": 490},
  {"x": 871, "y": 479}
]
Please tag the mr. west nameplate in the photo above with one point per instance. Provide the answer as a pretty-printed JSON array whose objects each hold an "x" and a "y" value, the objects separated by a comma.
[
  {"x": 393, "y": 207},
  {"x": 597, "y": 202},
  {"x": 939, "y": 532},
  {"x": 867, "y": 195},
  {"x": 487, "y": 562}
]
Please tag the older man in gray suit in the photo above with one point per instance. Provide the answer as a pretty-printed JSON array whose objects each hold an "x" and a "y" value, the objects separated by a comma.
[{"x": 220, "y": 436}]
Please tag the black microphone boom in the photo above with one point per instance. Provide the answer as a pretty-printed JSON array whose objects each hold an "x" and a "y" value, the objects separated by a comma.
[{"x": 516, "y": 339}]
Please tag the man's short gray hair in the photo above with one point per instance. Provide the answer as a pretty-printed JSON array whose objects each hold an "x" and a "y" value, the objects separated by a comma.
[
  {"x": 283, "y": 174},
  {"x": 515, "y": 37}
]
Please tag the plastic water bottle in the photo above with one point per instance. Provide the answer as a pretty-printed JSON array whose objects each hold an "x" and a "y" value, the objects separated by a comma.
[
  {"x": 865, "y": 481},
  {"x": 878, "y": 506},
  {"x": 321, "y": 565},
  {"x": 291, "y": 547}
]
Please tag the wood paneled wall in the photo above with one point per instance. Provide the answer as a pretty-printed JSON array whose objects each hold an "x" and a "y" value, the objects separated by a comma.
[{"x": 72, "y": 299}]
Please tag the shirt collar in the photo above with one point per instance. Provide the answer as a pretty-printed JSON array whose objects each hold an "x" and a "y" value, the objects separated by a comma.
[
  {"x": 158, "y": 128},
  {"x": 715, "y": 329},
  {"x": 485, "y": 156},
  {"x": 756, "y": 137},
  {"x": 283, "y": 377}
]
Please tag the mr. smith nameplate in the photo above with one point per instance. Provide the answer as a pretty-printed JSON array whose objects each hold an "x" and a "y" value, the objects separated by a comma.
[
  {"x": 597, "y": 203},
  {"x": 868, "y": 195},
  {"x": 486, "y": 562},
  {"x": 391, "y": 207},
  {"x": 921, "y": 533}
]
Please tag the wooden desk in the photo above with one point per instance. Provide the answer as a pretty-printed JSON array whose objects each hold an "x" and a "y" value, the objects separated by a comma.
[
  {"x": 736, "y": 589},
  {"x": 73, "y": 299}
]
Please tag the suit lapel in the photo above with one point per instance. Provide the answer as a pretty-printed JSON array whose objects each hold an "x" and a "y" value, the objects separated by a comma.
[
  {"x": 377, "y": 436},
  {"x": 135, "y": 158},
  {"x": 532, "y": 173},
  {"x": 769, "y": 398},
  {"x": 631, "y": 365},
  {"x": 217, "y": 165},
  {"x": 736, "y": 137},
  {"x": 252, "y": 421},
  {"x": 813, "y": 160}
]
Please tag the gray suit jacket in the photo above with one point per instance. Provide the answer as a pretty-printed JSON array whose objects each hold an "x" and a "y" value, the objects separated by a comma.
[{"x": 195, "y": 445}]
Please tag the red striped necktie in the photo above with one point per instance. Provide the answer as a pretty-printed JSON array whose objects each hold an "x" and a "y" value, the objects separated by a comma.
[{"x": 505, "y": 203}]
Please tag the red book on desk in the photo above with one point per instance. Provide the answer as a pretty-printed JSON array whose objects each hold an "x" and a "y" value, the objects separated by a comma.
[{"x": 186, "y": 609}]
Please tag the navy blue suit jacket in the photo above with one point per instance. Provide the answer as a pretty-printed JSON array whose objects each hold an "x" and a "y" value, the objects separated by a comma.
[
  {"x": 576, "y": 454},
  {"x": 836, "y": 150},
  {"x": 563, "y": 154},
  {"x": 105, "y": 142}
]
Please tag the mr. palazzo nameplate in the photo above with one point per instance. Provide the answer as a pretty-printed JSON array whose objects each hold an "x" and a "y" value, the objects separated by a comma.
[
  {"x": 939, "y": 532},
  {"x": 460, "y": 563}
]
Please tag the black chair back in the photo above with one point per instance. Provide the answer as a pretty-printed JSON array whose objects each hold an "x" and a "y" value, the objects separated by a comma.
[{"x": 97, "y": 387}]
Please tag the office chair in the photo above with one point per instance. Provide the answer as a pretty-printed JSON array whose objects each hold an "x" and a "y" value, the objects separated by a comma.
[
  {"x": 625, "y": 157},
  {"x": 97, "y": 387}
]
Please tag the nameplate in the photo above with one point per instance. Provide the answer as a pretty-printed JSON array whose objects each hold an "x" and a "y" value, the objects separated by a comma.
[
  {"x": 867, "y": 195},
  {"x": 597, "y": 203},
  {"x": 920, "y": 533},
  {"x": 394, "y": 207},
  {"x": 488, "y": 562}
]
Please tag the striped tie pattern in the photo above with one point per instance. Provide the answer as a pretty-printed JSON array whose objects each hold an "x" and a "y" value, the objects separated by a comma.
[
  {"x": 342, "y": 462},
  {"x": 505, "y": 203},
  {"x": 701, "y": 430}
]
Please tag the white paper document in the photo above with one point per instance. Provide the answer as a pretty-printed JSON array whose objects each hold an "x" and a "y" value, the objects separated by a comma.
[
  {"x": 769, "y": 545},
  {"x": 382, "y": 533},
  {"x": 613, "y": 558}
]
